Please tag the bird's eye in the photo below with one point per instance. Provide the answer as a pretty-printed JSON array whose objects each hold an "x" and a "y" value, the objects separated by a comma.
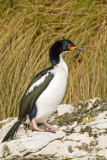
[{"x": 69, "y": 45}]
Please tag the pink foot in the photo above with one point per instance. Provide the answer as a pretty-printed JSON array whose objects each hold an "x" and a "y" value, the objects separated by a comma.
[
  {"x": 35, "y": 127},
  {"x": 52, "y": 129}
]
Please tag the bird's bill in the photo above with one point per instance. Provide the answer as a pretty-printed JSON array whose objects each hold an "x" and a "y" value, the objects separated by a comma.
[
  {"x": 76, "y": 48},
  {"x": 71, "y": 48},
  {"x": 80, "y": 49}
]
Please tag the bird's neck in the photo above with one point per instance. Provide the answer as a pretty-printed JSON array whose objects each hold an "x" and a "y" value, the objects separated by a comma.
[
  {"x": 61, "y": 67},
  {"x": 54, "y": 56}
]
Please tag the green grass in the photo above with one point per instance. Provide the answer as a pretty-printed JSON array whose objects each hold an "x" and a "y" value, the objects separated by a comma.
[{"x": 28, "y": 28}]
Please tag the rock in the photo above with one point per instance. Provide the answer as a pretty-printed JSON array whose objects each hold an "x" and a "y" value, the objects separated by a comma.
[
  {"x": 88, "y": 141},
  {"x": 64, "y": 108}
]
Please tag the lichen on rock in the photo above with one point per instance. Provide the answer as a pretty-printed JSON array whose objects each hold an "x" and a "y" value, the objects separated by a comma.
[{"x": 88, "y": 140}]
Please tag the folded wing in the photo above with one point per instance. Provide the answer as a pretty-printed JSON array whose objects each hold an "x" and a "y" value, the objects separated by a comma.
[{"x": 34, "y": 90}]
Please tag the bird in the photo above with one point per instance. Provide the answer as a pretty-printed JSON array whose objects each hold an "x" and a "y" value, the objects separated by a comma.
[{"x": 45, "y": 92}]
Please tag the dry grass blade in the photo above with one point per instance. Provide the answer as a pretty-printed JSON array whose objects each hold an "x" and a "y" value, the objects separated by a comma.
[{"x": 27, "y": 30}]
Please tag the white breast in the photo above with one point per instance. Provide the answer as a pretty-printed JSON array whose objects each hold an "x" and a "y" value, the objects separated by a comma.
[{"x": 53, "y": 95}]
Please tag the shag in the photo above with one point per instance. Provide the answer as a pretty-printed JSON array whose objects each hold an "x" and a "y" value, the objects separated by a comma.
[{"x": 45, "y": 92}]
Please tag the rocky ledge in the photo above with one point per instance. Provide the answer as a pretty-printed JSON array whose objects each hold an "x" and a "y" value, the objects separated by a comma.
[{"x": 88, "y": 140}]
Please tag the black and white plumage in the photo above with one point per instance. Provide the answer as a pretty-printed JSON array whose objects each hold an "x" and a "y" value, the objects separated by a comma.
[
  {"x": 34, "y": 90},
  {"x": 46, "y": 90}
]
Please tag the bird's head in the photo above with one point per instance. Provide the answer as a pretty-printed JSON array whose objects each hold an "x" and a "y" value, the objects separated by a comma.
[{"x": 59, "y": 47}]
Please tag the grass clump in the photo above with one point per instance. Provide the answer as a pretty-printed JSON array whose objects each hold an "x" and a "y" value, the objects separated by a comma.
[{"x": 28, "y": 28}]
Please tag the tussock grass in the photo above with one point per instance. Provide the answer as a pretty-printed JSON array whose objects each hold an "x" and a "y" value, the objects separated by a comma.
[{"x": 28, "y": 28}]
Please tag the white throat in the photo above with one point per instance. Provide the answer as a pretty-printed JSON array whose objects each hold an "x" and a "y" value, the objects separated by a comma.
[{"x": 61, "y": 66}]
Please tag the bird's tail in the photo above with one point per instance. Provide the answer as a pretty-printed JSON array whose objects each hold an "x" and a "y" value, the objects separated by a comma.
[{"x": 12, "y": 131}]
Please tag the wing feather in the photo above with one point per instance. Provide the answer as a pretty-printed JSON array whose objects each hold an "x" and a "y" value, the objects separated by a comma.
[{"x": 29, "y": 98}]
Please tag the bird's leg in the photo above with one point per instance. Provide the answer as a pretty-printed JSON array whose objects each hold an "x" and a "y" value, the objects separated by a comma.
[
  {"x": 52, "y": 129},
  {"x": 34, "y": 125}
]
